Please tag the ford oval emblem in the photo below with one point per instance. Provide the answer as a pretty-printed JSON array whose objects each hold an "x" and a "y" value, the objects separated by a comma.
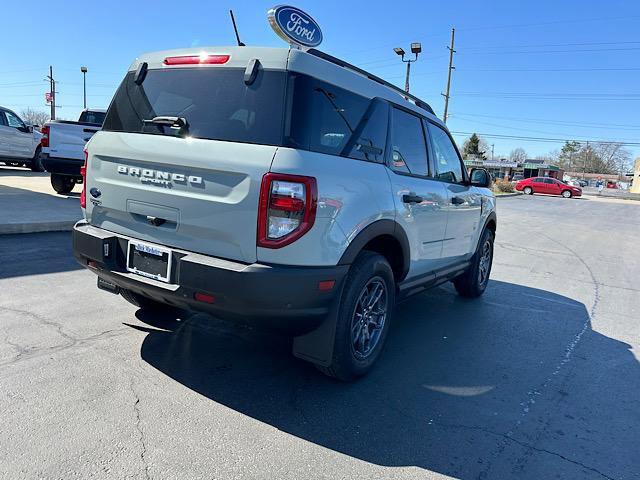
[{"x": 295, "y": 26}]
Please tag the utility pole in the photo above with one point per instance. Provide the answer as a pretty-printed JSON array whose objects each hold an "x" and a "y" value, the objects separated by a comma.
[
  {"x": 52, "y": 91},
  {"x": 492, "y": 145},
  {"x": 451, "y": 67}
]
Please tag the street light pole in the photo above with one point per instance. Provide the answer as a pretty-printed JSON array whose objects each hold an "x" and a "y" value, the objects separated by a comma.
[
  {"x": 84, "y": 85},
  {"x": 416, "y": 48}
]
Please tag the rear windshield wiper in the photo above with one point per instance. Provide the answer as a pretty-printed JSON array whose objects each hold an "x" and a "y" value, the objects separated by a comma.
[{"x": 180, "y": 124}]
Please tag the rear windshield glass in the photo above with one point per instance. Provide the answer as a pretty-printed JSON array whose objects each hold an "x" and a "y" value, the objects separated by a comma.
[
  {"x": 215, "y": 102},
  {"x": 92, "y": 117}
]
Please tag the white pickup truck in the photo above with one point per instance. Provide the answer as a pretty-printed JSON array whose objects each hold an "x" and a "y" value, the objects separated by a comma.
[{"x": 62, "y": 148}]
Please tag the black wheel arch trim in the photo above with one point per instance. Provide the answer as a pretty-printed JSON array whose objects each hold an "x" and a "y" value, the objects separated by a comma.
[
  {"x": 377, "y": 229},
  {"x": 491, "y": 217}
]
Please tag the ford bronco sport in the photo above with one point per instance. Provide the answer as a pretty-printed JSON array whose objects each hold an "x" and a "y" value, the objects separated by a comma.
[{"x": 283, "y": 187}]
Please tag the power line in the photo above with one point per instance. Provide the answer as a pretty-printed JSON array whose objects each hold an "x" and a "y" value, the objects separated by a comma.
[
  {"x": 541, "y": 139},
  {"x": 544, "y": 69},
  {"x": 620, "y": 126}
]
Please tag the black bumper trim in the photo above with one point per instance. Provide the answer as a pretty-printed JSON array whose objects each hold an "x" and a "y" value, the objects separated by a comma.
[
  {"x": 62, "y": 166},
  {"x": 278, "y": 296}
]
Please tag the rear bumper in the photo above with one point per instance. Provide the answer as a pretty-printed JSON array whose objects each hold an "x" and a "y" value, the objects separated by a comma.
[
  {"x": 62, "y": 166},
  {"x": 275, "y": 296}
]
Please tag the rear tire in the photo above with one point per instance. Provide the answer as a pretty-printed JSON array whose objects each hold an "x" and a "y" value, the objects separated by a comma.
[
  {"x": 566, "y": 194},
  {"x": 36, "y": 162},
  {"x": 62, "y": 184},
  {"x": 364, "y": 317},
  {"x": 140, "y": 301},
  {"x": 528, "y": 191},
  {"x": 473, "y": 282}
]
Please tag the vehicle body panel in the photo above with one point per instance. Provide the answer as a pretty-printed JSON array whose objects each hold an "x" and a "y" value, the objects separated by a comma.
[{"x": 217, "y": 216}]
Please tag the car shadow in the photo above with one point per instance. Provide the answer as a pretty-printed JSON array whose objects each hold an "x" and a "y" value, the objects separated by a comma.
[
  {"x": 455, "y": 391},
  {"x": 35, "y": 254}
]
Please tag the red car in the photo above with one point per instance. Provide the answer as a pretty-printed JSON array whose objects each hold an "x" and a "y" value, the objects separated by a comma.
[{"x": 550, "y": 186}]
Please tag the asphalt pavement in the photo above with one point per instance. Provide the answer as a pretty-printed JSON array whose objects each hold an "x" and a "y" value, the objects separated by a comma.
[{"x": 537, "y": 379}]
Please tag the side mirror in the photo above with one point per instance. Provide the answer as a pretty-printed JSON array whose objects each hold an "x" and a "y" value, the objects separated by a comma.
[
  {"x": 480, "y": 178},
  {"x": 30, "y": 128}
]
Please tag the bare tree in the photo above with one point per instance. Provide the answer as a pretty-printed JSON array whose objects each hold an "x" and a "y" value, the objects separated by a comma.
[
  {"x": 35, "y": 117},
  {"x": 518, "y": 155}
]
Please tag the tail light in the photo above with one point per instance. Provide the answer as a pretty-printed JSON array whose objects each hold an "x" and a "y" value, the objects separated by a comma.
[
  {"x": 83, "y": 172},
  {"x": 287, "y": 209},
  {"x": 44, "y": 141}
]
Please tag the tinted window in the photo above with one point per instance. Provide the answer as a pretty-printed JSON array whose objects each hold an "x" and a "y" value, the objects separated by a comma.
[
  {"x": 3, "y": 120},
  {"x": 447, "y": 163},
  {"x": 13, "y": 120},
  {"x": 92, "y": 117},
  {"x": 216, "y": 103},
  {"x": 538, "y": 180},
  {"x": 328, "y": 119},
  {"x": 408, "y": 148},
  {"x": 549, "y": 180}
]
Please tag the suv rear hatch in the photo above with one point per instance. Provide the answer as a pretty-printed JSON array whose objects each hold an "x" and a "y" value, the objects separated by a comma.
[{"x": 196, "y": 187}]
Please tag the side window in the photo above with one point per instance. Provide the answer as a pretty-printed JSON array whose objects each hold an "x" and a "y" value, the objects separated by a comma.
[
  {"x": 3, "y": 120},
  {"x": 550, "y": 180},
  {"x": 323, "y": 117},
  {"x": 13, "y": 120},
  {"x": 408, "y": 147},
  {"x": 370, "y": 137},
  {"x": 538, "y": 180},
  {"x": 447, "y": 163}
]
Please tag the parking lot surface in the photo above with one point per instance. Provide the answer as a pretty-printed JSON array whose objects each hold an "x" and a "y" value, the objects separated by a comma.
[{"x": 537, "y": 379}]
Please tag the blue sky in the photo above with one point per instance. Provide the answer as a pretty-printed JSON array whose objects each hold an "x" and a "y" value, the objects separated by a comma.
[{"x": 552, "y": 69}]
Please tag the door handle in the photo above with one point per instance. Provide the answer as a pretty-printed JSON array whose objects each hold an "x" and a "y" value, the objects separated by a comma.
[
  {"x": 457, "y": 200},
  {"x": 411, "y": 198}
]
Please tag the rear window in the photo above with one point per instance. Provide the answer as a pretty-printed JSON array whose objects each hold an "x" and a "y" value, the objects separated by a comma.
[
  {"x": 216, "y": 103},
  {"x": 96, "y": 118}
]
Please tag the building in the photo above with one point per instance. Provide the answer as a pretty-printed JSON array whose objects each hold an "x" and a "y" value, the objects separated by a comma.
[{"x": 505, "y": 168}]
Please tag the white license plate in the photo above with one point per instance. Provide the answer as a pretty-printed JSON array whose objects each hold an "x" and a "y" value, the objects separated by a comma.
[{"x": 149, "y": 260}]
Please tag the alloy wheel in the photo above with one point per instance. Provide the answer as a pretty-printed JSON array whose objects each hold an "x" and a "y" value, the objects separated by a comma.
[
  {"x": 369, "y": 316},
  {"x": 485, "y": 263}
]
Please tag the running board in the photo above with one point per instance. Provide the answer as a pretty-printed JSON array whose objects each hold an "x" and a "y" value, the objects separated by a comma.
[{"x": 414, "y": 285}]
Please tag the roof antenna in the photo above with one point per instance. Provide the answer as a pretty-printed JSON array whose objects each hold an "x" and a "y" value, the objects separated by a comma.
[{"x": 235, "y": 29}]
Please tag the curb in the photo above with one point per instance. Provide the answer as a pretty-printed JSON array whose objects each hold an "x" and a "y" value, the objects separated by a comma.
[
  {"x": 507, "y": 195},
  {"x": 37, "y": 227}
]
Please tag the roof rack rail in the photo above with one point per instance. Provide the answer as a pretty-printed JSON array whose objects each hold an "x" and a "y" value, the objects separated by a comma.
[{"x": 371, "y": 76}]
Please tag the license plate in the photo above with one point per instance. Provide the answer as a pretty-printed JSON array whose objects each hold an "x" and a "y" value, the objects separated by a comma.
[{"x": 148, "y": 260}]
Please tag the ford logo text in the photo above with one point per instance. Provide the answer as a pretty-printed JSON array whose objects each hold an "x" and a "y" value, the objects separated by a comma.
[{"x": 295, "y": 26}]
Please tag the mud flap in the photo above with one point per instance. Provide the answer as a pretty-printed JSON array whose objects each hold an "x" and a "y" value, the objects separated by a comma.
[{"x": 317, "y": 346}]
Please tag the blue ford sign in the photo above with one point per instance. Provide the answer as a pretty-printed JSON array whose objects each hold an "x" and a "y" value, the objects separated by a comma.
[{"x": 295, "y": 26}]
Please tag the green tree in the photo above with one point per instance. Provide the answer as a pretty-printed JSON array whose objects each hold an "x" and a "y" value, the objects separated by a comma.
[
  {"x": 472, "y": 148},
  {"x": 569, "y": 155}
]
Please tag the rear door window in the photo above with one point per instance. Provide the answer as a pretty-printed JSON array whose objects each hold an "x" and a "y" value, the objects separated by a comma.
[
  {"x": 408, "y": 147},
  {"x": 215, "y": 102}
]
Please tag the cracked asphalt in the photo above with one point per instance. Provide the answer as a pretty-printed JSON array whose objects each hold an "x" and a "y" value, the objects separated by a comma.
[{"x": 538, "y": 379}]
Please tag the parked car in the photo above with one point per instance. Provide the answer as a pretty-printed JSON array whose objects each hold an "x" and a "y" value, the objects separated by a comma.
[
  {"x": 517, "y": 177},
  {"x": 19, "y": 142},
  {"x": 62, "y": 145},
  {"x": 612, "y": 184},
  {"x": 281, "y": 187},
  {"x": 549, "y": 186}
]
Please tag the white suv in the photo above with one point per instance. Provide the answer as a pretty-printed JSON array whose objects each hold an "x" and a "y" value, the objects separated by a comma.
[{"x": 281, "y": 187}]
